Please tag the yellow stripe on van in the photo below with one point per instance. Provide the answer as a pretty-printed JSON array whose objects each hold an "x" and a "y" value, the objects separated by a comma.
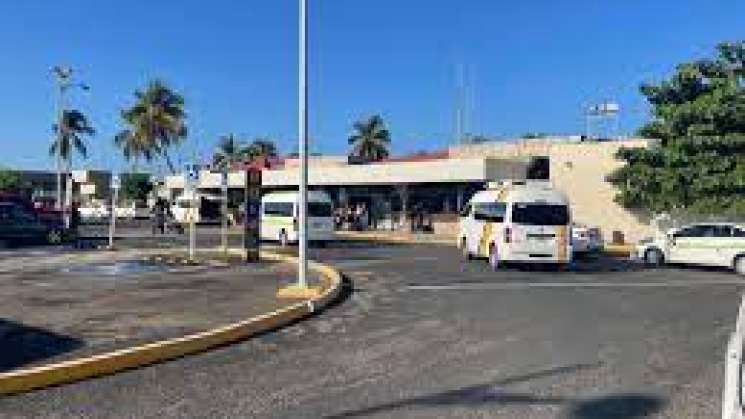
[
  {"x": 484, "y": 241},
  {"x": 561, "y": 236}
]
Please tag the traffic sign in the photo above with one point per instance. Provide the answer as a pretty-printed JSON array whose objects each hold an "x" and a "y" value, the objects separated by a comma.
[{"x": 116, "y": 182}]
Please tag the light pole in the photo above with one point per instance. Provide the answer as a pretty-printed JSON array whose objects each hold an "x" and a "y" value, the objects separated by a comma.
[
  {"x": 63, "y": 76},
  {"x": 303, "y": 140}
]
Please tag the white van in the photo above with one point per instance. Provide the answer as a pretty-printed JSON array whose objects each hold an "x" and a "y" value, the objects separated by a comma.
[
  {"x": 517, "y": 222},
  {"x": 280, "y": 212},
  {"x": 207, "y": 207}
]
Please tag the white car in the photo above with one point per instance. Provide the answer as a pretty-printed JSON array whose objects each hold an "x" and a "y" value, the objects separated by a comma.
[{"x": 708, "y": 244}]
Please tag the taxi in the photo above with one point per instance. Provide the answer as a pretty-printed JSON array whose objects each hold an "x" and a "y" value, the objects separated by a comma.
[
  {"x": 705, "y": 244},
  {"x": 517, "y": 222}
]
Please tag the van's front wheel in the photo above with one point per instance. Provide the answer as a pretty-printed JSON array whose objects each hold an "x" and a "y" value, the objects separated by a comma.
[{"x": 464, "y": 250}]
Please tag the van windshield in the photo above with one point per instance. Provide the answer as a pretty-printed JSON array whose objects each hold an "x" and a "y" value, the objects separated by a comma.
[
  {"x": 278, "y": 209},
  {"x": 319, "y": 209},
  {"x": 540, "y": 214}
]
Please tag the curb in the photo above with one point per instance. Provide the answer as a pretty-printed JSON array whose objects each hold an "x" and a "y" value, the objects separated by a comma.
[
  {"x": 111, "y": 362},
  {"x": 609, "y": 249},
  {"x": 383, "y": 238},
  {"x": 732, "y": 401}
]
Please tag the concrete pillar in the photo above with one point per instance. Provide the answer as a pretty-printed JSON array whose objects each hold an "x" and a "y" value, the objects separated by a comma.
[
  {"x": 343, "y": 198},
  {"x": 459, "y": 200},
  {"x": 403, "y": 193}
]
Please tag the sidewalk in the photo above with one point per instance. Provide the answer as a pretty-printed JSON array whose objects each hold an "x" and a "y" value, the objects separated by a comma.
[{"x": 64, "y": 312}]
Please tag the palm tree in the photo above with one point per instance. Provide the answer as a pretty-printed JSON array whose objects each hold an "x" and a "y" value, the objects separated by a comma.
[
  {"x": 370, "y": 140},
  {"x": 260, "y": 147},
  {"x": 228, "y": 152},
  {"x": 69, "y": 136},
  {"x": 155, "y": 123}
]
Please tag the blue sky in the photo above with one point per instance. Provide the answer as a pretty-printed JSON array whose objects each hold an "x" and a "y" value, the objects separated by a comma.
[{"x": 531, "y": 65}]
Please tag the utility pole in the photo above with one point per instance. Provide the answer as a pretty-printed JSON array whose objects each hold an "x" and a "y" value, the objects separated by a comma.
[
  {"x": 224, "y": 230},
  {"x": 303, "y": 144},
  {"x": 115, "y": 186},
  {"x": 62, "y": 76}
]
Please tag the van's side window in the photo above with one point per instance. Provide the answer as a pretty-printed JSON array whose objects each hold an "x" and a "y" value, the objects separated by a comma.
[
  {"x": 465, "y": 211},
  {"x": 279, "y": 209}
]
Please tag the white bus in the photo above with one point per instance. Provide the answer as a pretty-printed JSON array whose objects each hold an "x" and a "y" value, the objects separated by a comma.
[
  {"x": 280, "y": 212},
  {"x": 517, "y": 222}
]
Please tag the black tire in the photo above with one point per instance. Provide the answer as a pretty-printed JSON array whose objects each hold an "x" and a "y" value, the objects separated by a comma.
[
  {"x": 283, "y": 242},
  {"x": 494, "y": 258},
  {"x": 464, "y": 249},
  {"x": 739, "y": 265},
  {"x": 654, "y": 258}
]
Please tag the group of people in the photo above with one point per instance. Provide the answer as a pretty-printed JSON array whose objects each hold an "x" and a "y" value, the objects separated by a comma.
[
  {"x": 162, "y": 217},
  {"x": 355, "y": 217}
]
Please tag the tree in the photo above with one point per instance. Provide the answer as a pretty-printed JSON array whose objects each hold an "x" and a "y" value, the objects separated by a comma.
[
  {"x": 370, "y": 140},
  {"x": 261, "y": 147},
  {"x": 228, "y": 152},
  {"x": 155, "y": 123},
  {"x": 699, "y": 117},
  {"x": 136, "y": 186},
  {"x": 69, "y": 136},
  {"x": 10, "y": 180}
]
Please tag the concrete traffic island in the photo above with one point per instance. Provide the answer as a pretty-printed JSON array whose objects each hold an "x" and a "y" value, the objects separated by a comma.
[{"x": 98, "y": 313}]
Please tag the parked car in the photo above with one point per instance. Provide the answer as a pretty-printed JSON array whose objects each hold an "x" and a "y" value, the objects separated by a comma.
[
  {"x": 44, "y": 212},
  {"x": 710, "y": 244},
  {"x": 19, "y": 226},
  {"x": 585, "y": 239}
]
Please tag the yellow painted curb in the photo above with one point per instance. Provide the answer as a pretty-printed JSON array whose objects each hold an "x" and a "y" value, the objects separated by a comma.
[
  {"x": 294, "y": 292},
  {"x": 618, "y": 249},
  {"x": 385, "y": 238},
  {"x": 112, "y": 362}
]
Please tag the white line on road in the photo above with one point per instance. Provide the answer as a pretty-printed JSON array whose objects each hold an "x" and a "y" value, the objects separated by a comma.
[{"x": 522, "y": 285}]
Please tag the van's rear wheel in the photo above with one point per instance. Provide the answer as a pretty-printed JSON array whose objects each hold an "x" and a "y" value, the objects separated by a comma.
[
  {"x": 494, "y": 257},
  {"x": 740, "y": 265},
  {"x": 283, "y": 238},
  {"x": 464, "y": 250}
]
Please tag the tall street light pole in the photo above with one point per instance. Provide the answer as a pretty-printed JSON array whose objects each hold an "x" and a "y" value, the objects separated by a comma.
[
  {"x": 62, "y": 76},
  {"x": 303, "y": 140}
]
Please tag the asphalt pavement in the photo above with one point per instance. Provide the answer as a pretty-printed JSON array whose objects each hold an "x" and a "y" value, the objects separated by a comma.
[{"x": 422, "y": 334}]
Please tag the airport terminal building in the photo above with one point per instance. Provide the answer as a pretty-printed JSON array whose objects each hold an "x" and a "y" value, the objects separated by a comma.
[{"x": 440, "y": 183}]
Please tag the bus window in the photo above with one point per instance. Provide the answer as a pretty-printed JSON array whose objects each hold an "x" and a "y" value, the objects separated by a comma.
[
  {"x": 278, "y": 209},
  {"x": 540, "y": 214}
]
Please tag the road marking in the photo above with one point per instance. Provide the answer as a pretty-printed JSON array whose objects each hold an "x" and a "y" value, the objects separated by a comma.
[{"x": 522, "y": 285}]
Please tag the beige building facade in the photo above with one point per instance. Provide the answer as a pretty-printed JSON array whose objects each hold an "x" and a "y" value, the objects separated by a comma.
[{"x": 578, "y": 169}]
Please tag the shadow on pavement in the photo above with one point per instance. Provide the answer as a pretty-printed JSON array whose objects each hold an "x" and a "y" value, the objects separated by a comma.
[
  {"x": 480, "y": 394},
  {"x": 21, "y": 345},
  {"x": 621, "y": 406}
]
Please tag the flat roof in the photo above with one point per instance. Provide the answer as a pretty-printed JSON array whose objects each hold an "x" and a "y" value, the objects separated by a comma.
[{"x": 460, "y": 170}]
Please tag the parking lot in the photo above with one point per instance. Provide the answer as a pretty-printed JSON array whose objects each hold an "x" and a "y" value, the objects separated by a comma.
[{"x": 422, "y": 334}]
